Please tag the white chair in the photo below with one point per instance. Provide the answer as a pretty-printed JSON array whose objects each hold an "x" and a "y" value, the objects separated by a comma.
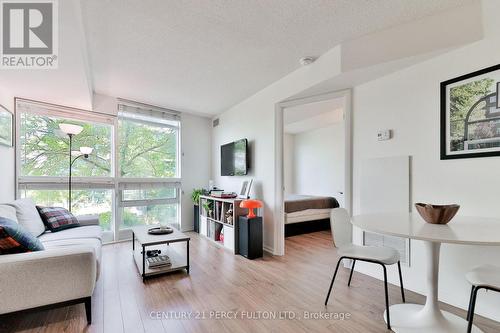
[
  {"x": 482, "y": 277},
  {"x": 342, "y": 237}
]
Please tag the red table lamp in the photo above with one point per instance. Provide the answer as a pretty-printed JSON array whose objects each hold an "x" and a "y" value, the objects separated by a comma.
[{"x": 251, "y": 205}]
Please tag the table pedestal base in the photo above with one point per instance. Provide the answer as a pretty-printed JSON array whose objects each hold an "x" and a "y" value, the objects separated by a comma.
[{"x": 413, "y": 318}]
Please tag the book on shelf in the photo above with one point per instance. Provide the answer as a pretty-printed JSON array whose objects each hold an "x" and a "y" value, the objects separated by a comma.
[
  {"x": 219, "y": 210},
  {"x": 158, "y": 261}
]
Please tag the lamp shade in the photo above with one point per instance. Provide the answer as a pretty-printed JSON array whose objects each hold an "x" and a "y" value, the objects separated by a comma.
[
  {"x": 86, "y": 150},
  {"x": 71, "y": 129},
  {"x": 251, "y": 205}
]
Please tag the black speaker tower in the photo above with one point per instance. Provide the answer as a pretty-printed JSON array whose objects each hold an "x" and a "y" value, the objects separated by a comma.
[{"x": 250, "y": 237}]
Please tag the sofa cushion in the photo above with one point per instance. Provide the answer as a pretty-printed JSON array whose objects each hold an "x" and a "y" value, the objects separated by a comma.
[
  {"x": 91, "y": 231},
  {"x": 28, "y": 217},
  {"x": 8, "y": 212},
  {"x": 57, "y": 218},
  {"x": 94, "y": 243},
  {"x": 14, "y": 238}
]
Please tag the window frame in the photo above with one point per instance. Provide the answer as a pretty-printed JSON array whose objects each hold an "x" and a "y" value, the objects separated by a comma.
[{"x": 114, "y": 182}]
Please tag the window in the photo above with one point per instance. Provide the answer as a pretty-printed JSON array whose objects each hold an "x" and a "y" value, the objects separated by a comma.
[
  {"x": 147, "y": 148},
  {"x": 150, "y": 214},
  {"x": 131, "y": 178},
  {"x": 44, "y": 147},
  {"x": 148, "y": 166},
  {"x": 43, "y": 158}
]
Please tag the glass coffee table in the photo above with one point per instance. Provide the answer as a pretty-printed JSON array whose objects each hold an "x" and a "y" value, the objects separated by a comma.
[{"x": 175, "y": 245}]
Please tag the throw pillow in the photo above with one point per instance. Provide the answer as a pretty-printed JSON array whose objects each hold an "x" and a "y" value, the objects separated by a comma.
[
  {"x": 57, "y": 218},
  {"x": 28, "y": 216},
  {"x": 8, "y": 212},
  {"x": 14, "y": 238}
]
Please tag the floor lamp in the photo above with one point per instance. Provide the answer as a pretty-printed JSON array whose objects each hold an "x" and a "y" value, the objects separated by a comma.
[{"x": 71, "y": 130}]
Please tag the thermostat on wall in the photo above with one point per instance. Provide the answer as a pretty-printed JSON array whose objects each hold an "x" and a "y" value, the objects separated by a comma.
[{"x": 384, "y": 135}]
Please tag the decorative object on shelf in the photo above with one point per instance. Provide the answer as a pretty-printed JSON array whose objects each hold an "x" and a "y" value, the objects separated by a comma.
[
  {"x": 208, "y": 206},
  {"x": 221, "y": 236},
  {"x": 6, "y": 124},
  {"x": 229, "y": 216},
  {"x": 153, "y": 253},
  {"x": 437, "y": 214},
  {"x": 218, "y": 229},
  {"x": 245, "y": 189},
  {"x": 470, "y": 115},
  {"x": 223, "y": 195},
  {"x": 160, "y": 230},
  {"x": 214, "y": 191},
  {"x": 71, "y": 130},
  {"x": 195, "y": 196},
  {"x": 251, "y": 205}
]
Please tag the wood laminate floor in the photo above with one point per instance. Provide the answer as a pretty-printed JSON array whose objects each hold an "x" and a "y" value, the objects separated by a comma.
[{"x": 223, "y": 284}]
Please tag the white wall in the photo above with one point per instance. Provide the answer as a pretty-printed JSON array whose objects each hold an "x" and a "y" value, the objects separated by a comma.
[
  {"x": 319, "y": 157},
  {"x": 254, "y": 119},
  {"x": 7, "y": 160},
  {"x": 289, "y": 163},
  {"x": 408, "y": 102},
  {"x": 196, "y": 140}
]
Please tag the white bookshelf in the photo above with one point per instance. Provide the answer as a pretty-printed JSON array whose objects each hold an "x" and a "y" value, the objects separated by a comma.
[{"x": 211, "y": 225}]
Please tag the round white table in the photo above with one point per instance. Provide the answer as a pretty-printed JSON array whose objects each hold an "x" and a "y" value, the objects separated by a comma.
[{"x": 406, "y": 317}]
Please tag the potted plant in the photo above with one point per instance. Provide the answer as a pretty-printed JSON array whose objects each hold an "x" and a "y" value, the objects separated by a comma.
[
  {"x": 195, "y": 196},
  {"x": 209, "y": 208}
]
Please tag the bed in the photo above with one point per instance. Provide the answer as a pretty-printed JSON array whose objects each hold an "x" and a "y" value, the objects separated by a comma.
[{"x": 303, "y": 208}]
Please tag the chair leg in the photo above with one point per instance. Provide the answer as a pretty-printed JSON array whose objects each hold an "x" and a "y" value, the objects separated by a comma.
[
  {"x": 333, "y": 279},
  {"x": 471, "y": 308},
  {"x": 88, "y": 309},
  {"x": 352, "y": 271},
  {"x": 470, "y": 302},
  {"x": 386, "y": 298},
  {"x": 401, "y": 283}
]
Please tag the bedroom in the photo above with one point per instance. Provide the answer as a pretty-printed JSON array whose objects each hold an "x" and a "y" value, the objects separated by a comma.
[{"x": 314, "y": 163}]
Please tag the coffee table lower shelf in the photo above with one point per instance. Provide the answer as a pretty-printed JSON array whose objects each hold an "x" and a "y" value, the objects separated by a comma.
[{"x": 179, "y": 258}]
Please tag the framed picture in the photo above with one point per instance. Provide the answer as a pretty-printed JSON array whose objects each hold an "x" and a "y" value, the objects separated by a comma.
[
  {"x": 6, "y": 124},
  {"x": 470, "y": 115},
  {"x": 498, "y": 95},
  {"x": 245, "y": 189}
]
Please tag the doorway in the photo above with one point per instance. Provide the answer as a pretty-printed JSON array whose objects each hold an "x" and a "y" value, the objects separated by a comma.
[{"x": 313, "y": 163}]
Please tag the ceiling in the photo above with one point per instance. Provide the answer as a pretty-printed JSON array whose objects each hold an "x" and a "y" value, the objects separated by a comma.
[
  {"x": 205, "y": 56},
  {"x": 311, "y": 116},
  {"x": 70, "y": 83}
]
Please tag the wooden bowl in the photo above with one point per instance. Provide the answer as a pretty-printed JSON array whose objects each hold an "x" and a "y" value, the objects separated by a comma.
[{"x": 437, "y": 214}]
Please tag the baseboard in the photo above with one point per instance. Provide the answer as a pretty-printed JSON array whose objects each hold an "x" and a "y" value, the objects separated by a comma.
[{"x": 269, "y": 250}]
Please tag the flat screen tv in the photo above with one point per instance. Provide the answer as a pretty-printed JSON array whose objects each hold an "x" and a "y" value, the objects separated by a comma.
[{"x": 234, "y": 158}]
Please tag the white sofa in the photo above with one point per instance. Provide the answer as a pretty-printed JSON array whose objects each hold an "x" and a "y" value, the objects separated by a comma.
[{"x": 63, "y": 274}]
